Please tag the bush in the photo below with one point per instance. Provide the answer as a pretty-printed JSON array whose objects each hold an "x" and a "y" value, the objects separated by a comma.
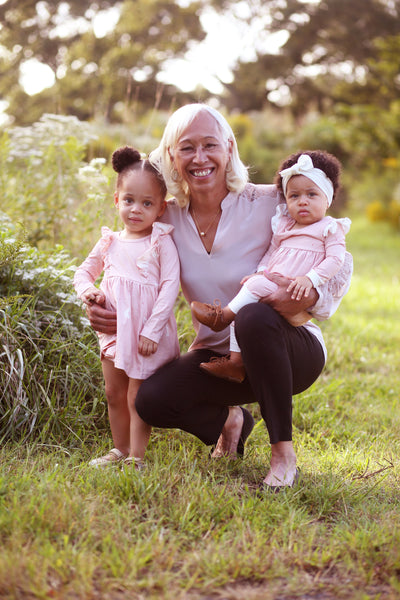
[
  {"x": 47, "y": 185},
  {"x": 394, "y": 213},
  {"x": 51, "y": 380},
  {"x": 376, "y": 211}
]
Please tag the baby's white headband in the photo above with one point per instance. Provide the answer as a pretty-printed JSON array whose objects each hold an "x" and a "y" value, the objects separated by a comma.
[{"x": 304, "y": 166}]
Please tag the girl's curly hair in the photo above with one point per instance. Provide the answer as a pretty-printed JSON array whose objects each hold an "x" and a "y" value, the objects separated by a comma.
[{"x": 328, "y": 163}]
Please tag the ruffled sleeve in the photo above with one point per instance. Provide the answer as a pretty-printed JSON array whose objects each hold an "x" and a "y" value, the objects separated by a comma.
[
  {"x": 153, "y": 252},
  {"x": 338, "y": 285},
  {"x": 333, "y": 225},
  {"x": 335, "y": 247},
  {"x": 332, "y": 292},
  {"x": 106, "y": 239},
  {"x": 282, "y": 213}
]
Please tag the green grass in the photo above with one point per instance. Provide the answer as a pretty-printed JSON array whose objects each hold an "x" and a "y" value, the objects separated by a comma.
[{"x": 192, "y": 528}]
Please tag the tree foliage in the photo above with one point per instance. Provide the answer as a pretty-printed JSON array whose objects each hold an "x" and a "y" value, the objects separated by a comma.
[
  {"x": 331, "y": 54},
  {"x": 95, "y": 74}
]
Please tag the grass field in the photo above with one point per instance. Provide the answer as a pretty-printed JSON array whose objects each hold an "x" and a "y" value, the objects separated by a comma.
[{"x": 192, "y": 528}]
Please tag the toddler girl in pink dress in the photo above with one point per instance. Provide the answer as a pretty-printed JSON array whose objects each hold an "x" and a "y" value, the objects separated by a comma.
[
  {"x": 140, "y": 282},
  {"x": 307, "y": 247}
]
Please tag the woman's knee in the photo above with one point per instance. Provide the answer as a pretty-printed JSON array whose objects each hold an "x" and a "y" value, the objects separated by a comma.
[
  {"x": 253, "y": 318},
  {"x": 145, "y": 400}
]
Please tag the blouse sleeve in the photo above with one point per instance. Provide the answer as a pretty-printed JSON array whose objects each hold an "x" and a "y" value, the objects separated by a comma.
[{"x": 168, "y": 289}]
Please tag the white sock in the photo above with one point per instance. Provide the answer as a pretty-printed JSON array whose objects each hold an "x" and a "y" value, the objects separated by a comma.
[{"x": 241, "y": 299}]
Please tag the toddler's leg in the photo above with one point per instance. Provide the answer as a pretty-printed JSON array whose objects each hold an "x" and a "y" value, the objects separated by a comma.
[
  {"x": 261, "y": 287},
  {"x": 243, "y": 297},
  {"x": 139, "y": 430},
  {"x": 116, "y": 388}
]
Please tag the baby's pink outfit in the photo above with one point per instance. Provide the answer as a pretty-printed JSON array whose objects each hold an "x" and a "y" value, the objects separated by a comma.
[
  {"x": 141, "y": 283},
  {"x": 316, "y": 250}
]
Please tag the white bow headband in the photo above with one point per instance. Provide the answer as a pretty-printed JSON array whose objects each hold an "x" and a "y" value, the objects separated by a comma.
[{"x": 304, "y": 166}]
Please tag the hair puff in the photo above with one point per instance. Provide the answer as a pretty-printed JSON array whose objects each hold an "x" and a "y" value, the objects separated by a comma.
[{"x": 124, "y": 157}]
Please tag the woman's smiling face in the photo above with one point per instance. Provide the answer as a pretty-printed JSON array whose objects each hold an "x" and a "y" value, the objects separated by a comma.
[{"x": 201, "y": 155}]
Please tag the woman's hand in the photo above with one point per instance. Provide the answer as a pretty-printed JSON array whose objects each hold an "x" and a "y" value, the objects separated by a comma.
[
  {"x": 146, "y": 346},
  {"x": 282, "y": 301},
  {"x": 101, "y": 319}
]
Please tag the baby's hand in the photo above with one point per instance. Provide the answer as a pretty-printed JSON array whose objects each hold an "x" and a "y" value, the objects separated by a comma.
[
  {"x": 146, "y": 346},
  {"x": 93, "y": 296},
  {"x": 300, "y": 286}
]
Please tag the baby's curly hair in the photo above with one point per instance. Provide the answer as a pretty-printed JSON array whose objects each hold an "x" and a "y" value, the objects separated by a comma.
[
  {"x": 328, "y": 163},
  {"x": 128, "y": 159}
]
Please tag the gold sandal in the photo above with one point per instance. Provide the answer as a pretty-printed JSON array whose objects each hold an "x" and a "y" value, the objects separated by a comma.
[
  {"x": 138, "y": 463},
  {"x": 113, "y": 457}
]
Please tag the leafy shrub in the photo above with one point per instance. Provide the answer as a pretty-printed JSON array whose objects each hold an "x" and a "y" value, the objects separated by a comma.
[
  {"x": 394, "y": 213},
  {"x": 50, "y": 380},
  {"x": 260, "y": 142},
  {"x": 47, "y": 185},
  {"x": 376, "y": 211}
]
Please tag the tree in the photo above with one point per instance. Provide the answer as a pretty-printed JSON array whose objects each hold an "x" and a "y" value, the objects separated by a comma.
[
  {"x": 328, "y": 55},
  {"x": 29, "y": 30},
  {"x": 94, "y": 74}
]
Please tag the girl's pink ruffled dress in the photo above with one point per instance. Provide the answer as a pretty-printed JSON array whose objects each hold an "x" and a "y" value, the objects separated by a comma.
[
  {"x": 319, "y": 247},
  {"x": 141, "y": 283}
]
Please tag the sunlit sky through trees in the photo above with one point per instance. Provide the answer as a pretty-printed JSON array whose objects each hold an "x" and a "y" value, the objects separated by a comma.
[
  {"x": 235, "y": 59},
  {"x": 205, "y": 64}
]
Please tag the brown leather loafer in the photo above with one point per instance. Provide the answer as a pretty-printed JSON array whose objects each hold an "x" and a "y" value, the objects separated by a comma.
[
  {"x": 209, "y": 314},
  {"x": 222, "y": 366}
]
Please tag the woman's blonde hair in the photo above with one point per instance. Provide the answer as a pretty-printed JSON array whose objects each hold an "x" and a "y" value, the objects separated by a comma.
[{"x": 161, "y": 157}]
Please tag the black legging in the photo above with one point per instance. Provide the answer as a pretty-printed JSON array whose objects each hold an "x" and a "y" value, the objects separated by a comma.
[{"x": 280, "y": 361}]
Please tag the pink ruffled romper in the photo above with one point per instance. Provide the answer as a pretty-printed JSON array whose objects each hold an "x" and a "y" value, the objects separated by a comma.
[
  {"x": 316, "y": 250},
  {"x": 141, "y": 283}
]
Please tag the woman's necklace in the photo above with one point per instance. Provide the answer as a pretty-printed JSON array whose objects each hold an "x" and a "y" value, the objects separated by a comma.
[{"x": 204, "y": 233}]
